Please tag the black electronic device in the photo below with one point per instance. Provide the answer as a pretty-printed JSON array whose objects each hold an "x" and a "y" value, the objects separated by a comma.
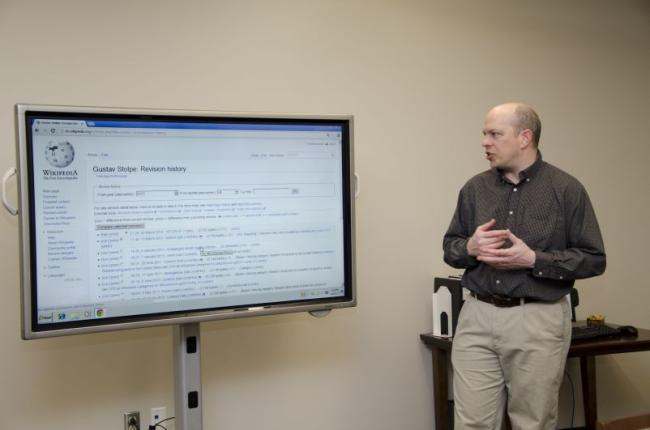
[
  {"x": 628, "y": 330},
  {"x": 594, "y": 332}
]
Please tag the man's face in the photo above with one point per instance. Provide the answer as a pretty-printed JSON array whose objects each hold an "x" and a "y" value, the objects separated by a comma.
[{"x": 501, "y": 140}]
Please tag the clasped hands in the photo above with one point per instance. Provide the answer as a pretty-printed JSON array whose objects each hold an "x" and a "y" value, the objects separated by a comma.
[{"x": 486, "y": 245}]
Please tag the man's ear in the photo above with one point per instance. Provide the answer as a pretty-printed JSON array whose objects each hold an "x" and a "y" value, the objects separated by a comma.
[{"x": 526, "y": 136}]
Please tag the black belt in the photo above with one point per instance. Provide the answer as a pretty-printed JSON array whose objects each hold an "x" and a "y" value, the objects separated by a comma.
[{"x": 503, "y": 301}]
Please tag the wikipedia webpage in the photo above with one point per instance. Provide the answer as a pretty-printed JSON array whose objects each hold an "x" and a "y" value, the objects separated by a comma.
[{"x": 139, "y": 218}]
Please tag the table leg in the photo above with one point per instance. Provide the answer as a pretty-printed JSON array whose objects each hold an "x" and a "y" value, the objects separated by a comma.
[
  {"x": 588, "y": 377},
  {"x": 440, "y": 388}
]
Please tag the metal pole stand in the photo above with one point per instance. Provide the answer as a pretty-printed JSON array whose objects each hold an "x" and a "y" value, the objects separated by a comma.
[{"x": 187, "y": 375}]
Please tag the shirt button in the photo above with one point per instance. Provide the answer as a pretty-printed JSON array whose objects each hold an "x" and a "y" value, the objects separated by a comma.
[
  {"x": 498, "y": 281},
  {"x": 561, "y": 277},
  {"x": 527, "y": 179},
  {"x": 515, "y": 190},
  {"x": 539, "y": 273},
  {"x": 511, "y": 212}
]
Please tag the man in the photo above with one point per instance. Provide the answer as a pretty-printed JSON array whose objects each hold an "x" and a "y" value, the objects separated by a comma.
[{"x": 523, "y": 231}]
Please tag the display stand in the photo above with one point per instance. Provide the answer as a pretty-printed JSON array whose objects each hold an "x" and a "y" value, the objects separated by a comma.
[
  {"x": 187, "y": 377},
  {"x": 187, "y": 374}
]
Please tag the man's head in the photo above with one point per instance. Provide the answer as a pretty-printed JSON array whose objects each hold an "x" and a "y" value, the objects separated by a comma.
[{"x": 511, "y": 135}]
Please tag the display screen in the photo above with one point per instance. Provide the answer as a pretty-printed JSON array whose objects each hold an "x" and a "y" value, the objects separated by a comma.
[{"x": 137, "y": 218}]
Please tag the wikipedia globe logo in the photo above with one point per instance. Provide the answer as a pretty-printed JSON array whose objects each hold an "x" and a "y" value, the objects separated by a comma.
[{"x": 59, "y": 154}]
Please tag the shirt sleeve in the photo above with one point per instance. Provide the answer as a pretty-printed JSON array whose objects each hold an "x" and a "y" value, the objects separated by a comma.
[
  {"x": 454, "y": 243},
  {"x": 584, "y": 256}
]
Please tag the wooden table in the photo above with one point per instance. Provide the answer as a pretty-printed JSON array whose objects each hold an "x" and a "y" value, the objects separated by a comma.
[{"x": 585, "y": 350}]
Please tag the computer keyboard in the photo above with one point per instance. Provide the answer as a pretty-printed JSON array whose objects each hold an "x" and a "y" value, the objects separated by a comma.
[{"x": 586, "y": 332}]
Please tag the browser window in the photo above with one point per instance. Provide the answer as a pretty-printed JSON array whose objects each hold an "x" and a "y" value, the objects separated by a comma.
[{"x": 143, "y": 217}]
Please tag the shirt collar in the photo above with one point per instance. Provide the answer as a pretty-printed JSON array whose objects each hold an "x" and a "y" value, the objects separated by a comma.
[{"x": 526, "y": 174}]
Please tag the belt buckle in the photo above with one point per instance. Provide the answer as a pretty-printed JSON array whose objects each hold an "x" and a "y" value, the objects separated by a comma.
[{"x": 501, "y": 301}]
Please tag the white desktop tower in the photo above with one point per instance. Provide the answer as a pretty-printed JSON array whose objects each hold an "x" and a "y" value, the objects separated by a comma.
[{"x": 448, "y": 297}]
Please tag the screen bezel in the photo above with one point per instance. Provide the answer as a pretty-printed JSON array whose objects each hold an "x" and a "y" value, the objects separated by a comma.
[{"x": 30, "y": 327}]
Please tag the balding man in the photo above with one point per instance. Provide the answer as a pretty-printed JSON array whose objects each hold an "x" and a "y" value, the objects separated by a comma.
[{"x": 524, "y": 231}]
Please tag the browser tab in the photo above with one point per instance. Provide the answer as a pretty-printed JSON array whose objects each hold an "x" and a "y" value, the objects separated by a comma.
[{"x": 55, "y": 122}]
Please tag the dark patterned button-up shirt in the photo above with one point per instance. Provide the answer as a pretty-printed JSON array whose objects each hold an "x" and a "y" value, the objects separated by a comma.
[{"x": 549, "y": 210}]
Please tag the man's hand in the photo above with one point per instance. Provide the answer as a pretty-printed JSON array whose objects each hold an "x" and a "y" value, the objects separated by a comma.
[
  {"x": 518, "y": 256},
  {"x": 484, "y": 239}
]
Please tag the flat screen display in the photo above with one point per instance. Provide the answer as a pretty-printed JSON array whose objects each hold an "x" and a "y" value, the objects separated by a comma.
[{"x": 135, "y": 218}]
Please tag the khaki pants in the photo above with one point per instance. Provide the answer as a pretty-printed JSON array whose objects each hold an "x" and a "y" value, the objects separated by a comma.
[{"x": 512, "y": 354}]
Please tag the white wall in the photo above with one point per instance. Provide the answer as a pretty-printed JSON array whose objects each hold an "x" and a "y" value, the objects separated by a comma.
[{"x": 418, "y": 76}]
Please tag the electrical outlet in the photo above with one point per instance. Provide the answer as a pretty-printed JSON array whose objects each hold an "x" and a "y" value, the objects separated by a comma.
[
  {"x": 132, "y": 420},
  {"x": 157, "y": 415}
]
